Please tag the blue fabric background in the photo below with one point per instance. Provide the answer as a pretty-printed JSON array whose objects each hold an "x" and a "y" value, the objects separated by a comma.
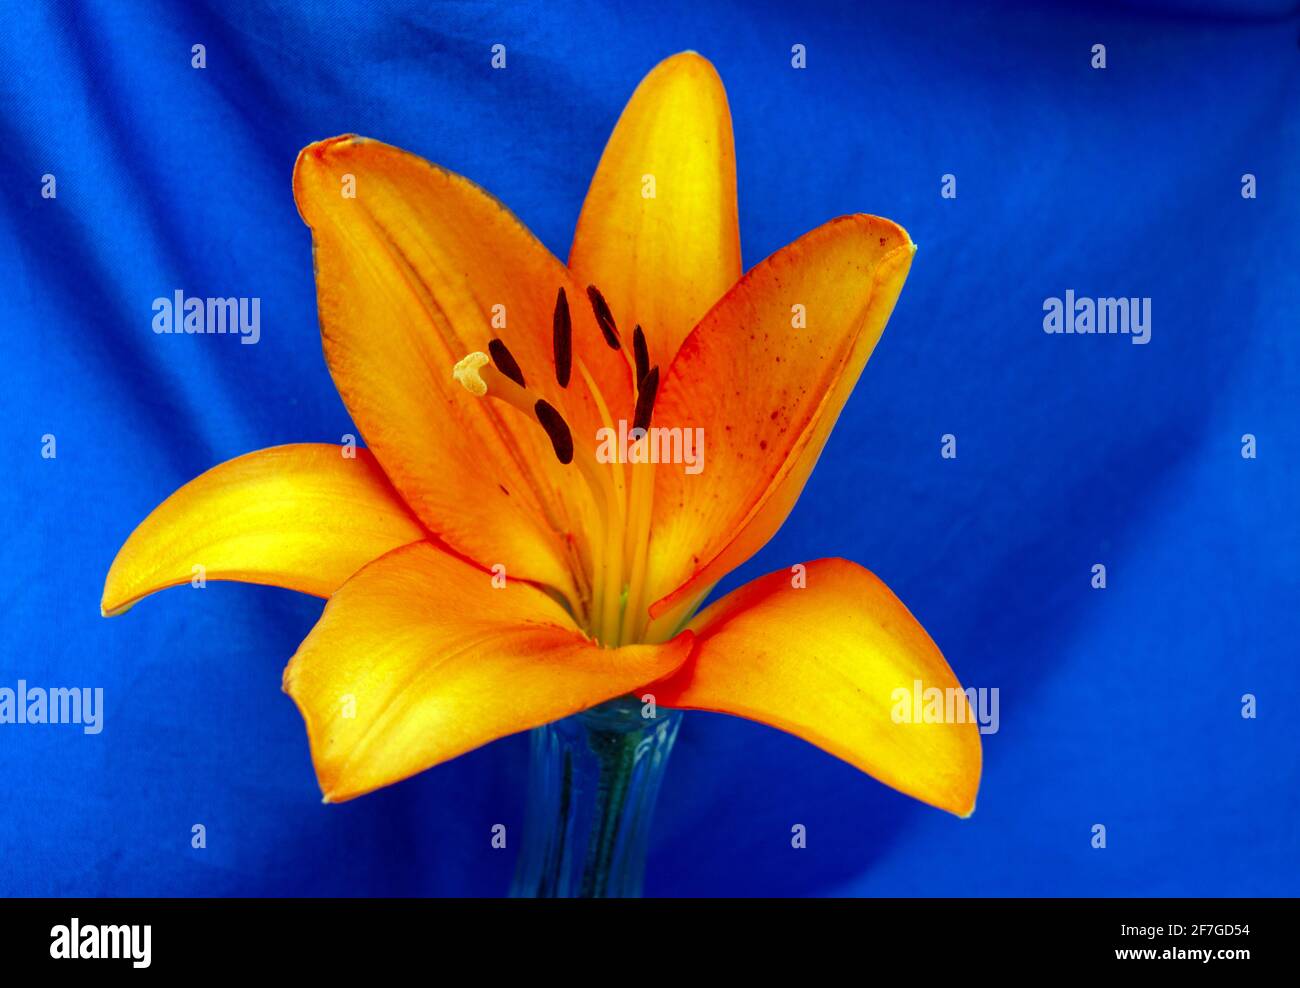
[{"x": 1119, "y": 707}]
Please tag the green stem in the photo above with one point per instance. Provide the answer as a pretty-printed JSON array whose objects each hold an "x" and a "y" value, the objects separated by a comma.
[
  {"x": 616, "y": 752},
  {"x": 593, "y": 785}
]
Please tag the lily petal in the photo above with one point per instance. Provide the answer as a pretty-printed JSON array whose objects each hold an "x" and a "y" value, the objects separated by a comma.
[
  {"x": 765, "y": 375},
  {"x": 418, "y": 269},
  {"x": 662, "y": 260},
  {"x": 303, "y": 517},
  {"x": 824, "y": 662},
  {"x": 418, "y": 659}
]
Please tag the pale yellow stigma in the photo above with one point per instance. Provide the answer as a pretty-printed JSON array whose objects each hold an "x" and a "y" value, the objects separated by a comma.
[{"x": 467, "y": 373}]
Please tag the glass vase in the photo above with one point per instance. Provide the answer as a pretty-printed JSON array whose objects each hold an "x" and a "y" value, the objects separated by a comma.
[{"x": 593, "y": 781}]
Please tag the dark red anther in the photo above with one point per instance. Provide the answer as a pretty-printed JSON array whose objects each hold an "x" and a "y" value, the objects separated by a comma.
[
  {"x": 645, "y": 399},
  {"x": 557, "y": 429},
  {"x": 562, "y": 335},
  {"x": 642, "y": 354},
  {"x": 505, "y": 362},
  {"x": 604, "y": 318}
]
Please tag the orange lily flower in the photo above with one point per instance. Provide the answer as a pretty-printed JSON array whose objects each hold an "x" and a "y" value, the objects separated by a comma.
[{"x": 487, "y": 571}]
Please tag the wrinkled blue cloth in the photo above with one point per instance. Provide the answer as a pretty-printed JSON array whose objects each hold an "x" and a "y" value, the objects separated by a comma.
[{"x": 1119, "y": 707}]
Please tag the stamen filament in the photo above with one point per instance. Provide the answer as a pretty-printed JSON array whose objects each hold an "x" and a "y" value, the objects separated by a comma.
[
  {"x": 612, "y": 616},
  {"x": 639, "y": 511},
  {"x": 614, "y": 597},
  {"x": 477, "y": 375}
]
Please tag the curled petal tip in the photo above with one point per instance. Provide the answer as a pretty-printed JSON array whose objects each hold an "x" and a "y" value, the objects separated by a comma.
[
  {"x": 319, "y": 149},
  {"x": 312, "y": 160}
]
